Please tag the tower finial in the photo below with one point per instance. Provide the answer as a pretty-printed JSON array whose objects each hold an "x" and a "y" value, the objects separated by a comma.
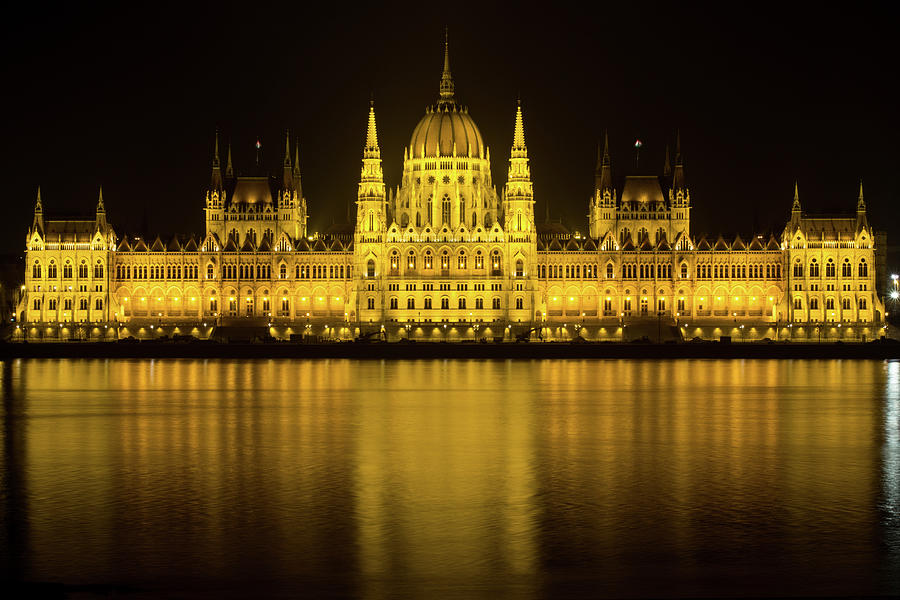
[
  {"x": 861, "y": 201},
  {"x": 229, "y": 169},
  {"x": 371, "y": 130},
  {"x": 216, "y": 151},
  {"x": 447, "y": 87},
  {"x": 796, "y": 205},
  {"x": 38, "y": 207},
  {"x": 667, "y": 166},
  {"x": 100, "y": 207},
  {"x": 519, "y": 132},
  {"x": 287, "y": 148}
]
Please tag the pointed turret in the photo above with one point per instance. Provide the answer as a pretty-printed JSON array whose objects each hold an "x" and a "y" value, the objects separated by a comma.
[
  {"x": 667, "y": 165},
  {"x": 861, "y": 221},
  {"x": 447, "y": 87},
  {"x": 370, "y": 195},
  {"x": 678, "y": 182},
  {"x": 215, "y": 180},
  {"x": 38, "y": 223},
  {"x": 101, "y": 211},
  {"x": 287, "y": 167},
  {"x": 296, "y": 172},
  {"x": 795, "y": 208},
  {"x": 372, "y": 150},
  {"x": 229, "y": 169},
  {"x": 603, "y": 175},
  {"x": 519, "y": 194}
]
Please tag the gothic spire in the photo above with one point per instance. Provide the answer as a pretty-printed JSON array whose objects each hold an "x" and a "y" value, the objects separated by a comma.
[
  {"x": 229, "y": 169},
  {"x": 447, "y": 87},
  {"x": 38, "y": 223},
  {"x": 603, "y": 176},
  {"x": 678, "y": 182},
  {"x": 518, "y": 156},
  {"x": 101, "y": 211},
  {"x": 796, "y": 205},
  {"x": 667, "y": 166},
  {"x": 215, "y": 180},
  {"x": 371, "y": 178},
  {"x": 288, "y": 170},
  {"x": 519, "y": 131},
  {"x": 372, "y": 150},
  {"x": 861, "y": 221}
]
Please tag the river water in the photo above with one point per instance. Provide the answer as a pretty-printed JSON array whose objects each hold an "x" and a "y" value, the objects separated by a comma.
[{"x": 451, "y": 479}]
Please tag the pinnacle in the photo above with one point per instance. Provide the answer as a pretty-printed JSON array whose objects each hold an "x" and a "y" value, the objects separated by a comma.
[
  {"x": 519, "y": 132},
  {"x": 371, "y": 130}
]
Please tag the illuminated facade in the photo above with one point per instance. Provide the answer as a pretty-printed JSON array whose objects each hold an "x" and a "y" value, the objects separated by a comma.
[{"x": 446, "y": 256}]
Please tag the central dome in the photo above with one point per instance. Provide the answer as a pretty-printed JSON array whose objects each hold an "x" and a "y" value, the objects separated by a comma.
[
  {"x": 446, "y": 124},
  {"x": 443, "y": 126}
]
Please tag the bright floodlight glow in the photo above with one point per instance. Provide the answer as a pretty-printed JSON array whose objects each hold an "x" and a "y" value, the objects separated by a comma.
[{"x": 895, "y": 294}]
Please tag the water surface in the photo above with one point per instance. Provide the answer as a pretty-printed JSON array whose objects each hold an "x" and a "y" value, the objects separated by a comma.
[{"x": 443, "y": 478}]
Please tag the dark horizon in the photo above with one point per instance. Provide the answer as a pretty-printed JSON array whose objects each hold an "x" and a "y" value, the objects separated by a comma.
[{"x": 130, "y": 100}]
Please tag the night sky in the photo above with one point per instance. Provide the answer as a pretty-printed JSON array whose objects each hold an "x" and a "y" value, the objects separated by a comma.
[{"x": 130, "y": 97}]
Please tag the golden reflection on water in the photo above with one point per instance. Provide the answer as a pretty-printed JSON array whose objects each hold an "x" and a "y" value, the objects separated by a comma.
[{"x": 527, "y": 478}]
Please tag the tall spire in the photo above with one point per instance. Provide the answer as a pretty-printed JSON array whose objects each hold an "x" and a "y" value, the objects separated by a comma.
[
  {"x": 518, "y": 156},
  {"x": 447, "y": 87},
  {"x": 215, "y": 180},
  {"x": 372, "y": 150},
  {"x": 101, "y": 212},
  {"x": 518, "y": 196},
  {"x": 229, "y": 169},
  {"x": 519, "y": 131},
  {"x": 370, "y": 195},
  {"x": 796, "y": 206},
  {"x": 38, "y": 223},
  {"x": 296, "y": 172},
  {"x": 603, "y": 176},
  {"x": 678, "y": 182},
  {"x": 667, "y": 166},
  {"x": 287, "y": 171},
  {"x": 861, "y": 221}
]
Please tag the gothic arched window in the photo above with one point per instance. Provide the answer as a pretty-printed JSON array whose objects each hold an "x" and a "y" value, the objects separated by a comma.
[{"x": 445, "y": 210}]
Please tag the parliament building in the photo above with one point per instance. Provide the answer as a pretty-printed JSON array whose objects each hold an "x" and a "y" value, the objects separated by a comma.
[{"x": 446, "y": 256}]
